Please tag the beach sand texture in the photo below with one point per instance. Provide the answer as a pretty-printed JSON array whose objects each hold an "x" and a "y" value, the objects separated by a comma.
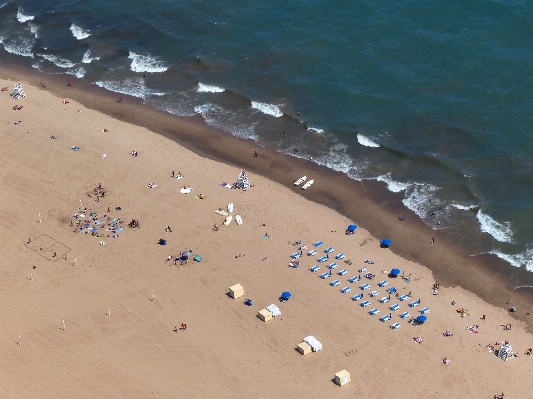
[{"x": 226, "y": 351}]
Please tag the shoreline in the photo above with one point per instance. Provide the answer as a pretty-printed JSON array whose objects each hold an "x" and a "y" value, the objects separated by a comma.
[
  {"x": 367, "y": 203},
  {"x": 107, "y": 309}
]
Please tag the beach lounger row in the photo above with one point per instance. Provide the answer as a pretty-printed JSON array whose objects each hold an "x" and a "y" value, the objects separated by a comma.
[
  {"x": 384, "y": 318},
  {"x": 343, "y": 272},
  {"x": 374, "y": 311},
  {"x": 414, "y": 304},
  {"x": 311, "y": 253},
  {"x": 353, "y": 279},
  {"x": 392, "y": 290},
  {"x": 424, "y": 311},
  {"x": 364, "y": 304},
  {"x": 303, "y": 247},
  {"x": 357, "y": 297},
  {"x": 395, "y": 307},
  {"x": 332, "y": 265},
  {"x": 335, "y": 283},
  {"x": 404, "y": 297},
  {"x": 339, "y": 256},
  {"x": 363, "y": 269},
  {"x": 322, "y": 259},
  {"x": 365, "y": 287},
  {"x": 345, "y": 290},
  {"x": 374, "y": 293},
  {"x": 328, "y": 250},
  {"x": 324, "y": 275},
  {"x": 314, "y": 269},
  {"x": 383, "y": 283},
  {"x": 295, "y": 255},
  {"x": 395, "y": 326},
  {"x": 405, "y": 315},
  {"x": 318, "y": 243},
  {"x": 384, "y": 300}
]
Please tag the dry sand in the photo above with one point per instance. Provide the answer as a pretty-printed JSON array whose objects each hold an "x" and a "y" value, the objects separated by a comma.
[{"x": 226, "y": 350}]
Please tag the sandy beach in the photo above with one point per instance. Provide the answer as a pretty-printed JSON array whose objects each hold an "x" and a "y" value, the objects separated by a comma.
[{"x": 94, "y": 315}]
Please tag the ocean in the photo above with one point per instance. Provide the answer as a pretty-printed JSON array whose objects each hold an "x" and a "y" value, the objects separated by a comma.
[{"x": 435, "y": 99}]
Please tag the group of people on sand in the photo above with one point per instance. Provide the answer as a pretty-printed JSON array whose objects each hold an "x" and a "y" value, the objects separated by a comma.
[
  {"x": 177, "y": 176},
  {"x": 133, "y": 224},
  {"x": 182, "y": 257},
  {"x": 134, "y": 153}
]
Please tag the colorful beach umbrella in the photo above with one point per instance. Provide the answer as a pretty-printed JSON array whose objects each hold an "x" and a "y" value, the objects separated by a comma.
[{"x": 286, "y": 295}]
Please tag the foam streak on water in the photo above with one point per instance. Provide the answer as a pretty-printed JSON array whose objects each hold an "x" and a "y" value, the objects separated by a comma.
[
  {"x": 203, "y": 88},
  {"x": 267, "y": 109},
  {"x": 78, "y": 32},
  {"x": 145, "y": 63},
  {"x": 87, "y": 58},
  {"x": 363, "y": 140},
  {"x": 22, "y": 17},
  {"x": 499, "y": 231}
]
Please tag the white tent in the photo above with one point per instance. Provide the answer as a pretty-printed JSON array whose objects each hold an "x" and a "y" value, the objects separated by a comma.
[
  {"x": 506, "y": 351},
  {"x": 242, "y": 181},
  {"x": 274, "y": 310},
  {"x": 313, "y": 343}
]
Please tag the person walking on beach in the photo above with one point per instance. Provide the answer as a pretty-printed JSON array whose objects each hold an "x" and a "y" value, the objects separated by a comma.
[
  {"x": 255, "y": 154},
  {"x": 69, "y": 84},
  {"x": 433, "y": 240},
  {"x": 483, "y": 318}
]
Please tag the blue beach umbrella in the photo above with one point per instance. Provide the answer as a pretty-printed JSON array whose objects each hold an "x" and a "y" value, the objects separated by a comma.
[
  {"x": 421, "y": 319},
  {"x": 286, "y": 295},
  {"x": 395, "y": 272},
  {"x": 385, "y": 243},
  {"x": 352, "y": 227}
]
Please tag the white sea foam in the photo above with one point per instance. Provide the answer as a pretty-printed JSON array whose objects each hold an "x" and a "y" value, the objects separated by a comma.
[
  {"x": 78, "y": 71},
  {"x": 392, "y": 185},
  {"x": 268, "y": 109},
  {"x": 209, "y": 89},
  {"x": 363, "y": 140},
  {"x": 464, "y": 207},
  {"x": 315, "y": 130},
  {"x": 135, "y": 88},
  {"x": 145, "y": 63},
  {"x": 4, "y": 4},
  {"x": 19, "y": 45},
  {"x": 499, "y": 231},
  {"x": 87, "y": 59},
  {"x": 225, "y": 120},
  {"x": 22, "y": 17},
  {"x": 524, "y": 259},
  {"x": 57, "y": 60},
  {"x": 78, "y": 32},
  {"x": 33, "y": 29}
]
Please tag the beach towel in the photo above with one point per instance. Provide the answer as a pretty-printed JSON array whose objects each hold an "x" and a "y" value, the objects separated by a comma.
[
  {"x": 197, "y": 258},
  {"x": 221, "y": 212}
]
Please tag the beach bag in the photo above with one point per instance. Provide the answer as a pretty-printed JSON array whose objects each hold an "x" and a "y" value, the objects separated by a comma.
[{"x": 197, "y": 258}]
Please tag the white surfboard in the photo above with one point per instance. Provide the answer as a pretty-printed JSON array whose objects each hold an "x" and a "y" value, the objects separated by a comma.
[
  {"x": 230, "y": 207},
  {"x": 228, "y": 220},
  {"x": 308, "y": 184},
  {"x": 185, "y": 190},
  {"x": 300, "y": 180},
  {"x": 238, "y": 219}
]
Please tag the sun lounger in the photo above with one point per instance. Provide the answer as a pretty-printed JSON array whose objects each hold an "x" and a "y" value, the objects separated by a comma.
[
  {"x": 392, "y": 290},
  {"x": 395, "y": 326},
  {"x": 365, "y": 304},
  {"x": 314, "y": 269},
  {"x": 335, "y": 283},
  {"x": 311, "y": 253},
  {"x": 363, "y": 269},
  {"x": 384, "y": 300},
  {"x": 374, "y": 312},
  {"x": 357, "y": 297},
  {"x": 345, "y": 290},
  {"x": 295, "y": 255},
  {"x": 414, "y": 304},
  {"x": 384, "y": 318},
  {"x": 383, "y": 283},
  {"x": 405, "y": 315},
  {"x": 353, "y": 279},
  {"x": 395, "y": 307},
  {"x": 404, "y": 297},
  {"x": 365, "y": 287},
  {"x": 339, "y": 256},
  {"x": 323, "y": 259},
  {"x": 324, "y": 275},
  {"x": 318, "y": 243},
  {"x": 374, "y": 293},
  {"x": 332, "y": 266},
  {"x": 424, "y": 311},
  {"x": 302, "y": 247},
  {"x": 343, "y": 272},
  {"x": 329, "y": 250}
]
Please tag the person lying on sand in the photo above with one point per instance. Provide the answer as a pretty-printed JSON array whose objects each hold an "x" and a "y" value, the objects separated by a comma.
[{"x": 445, "y": 360}]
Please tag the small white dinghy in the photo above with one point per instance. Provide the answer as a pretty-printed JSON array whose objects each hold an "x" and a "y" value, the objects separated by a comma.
[
  {"x": 230, "y": 207},
  {"x": 238, "y": 219},
  {"x": 300, "y": 180},
  {"x": 308, "y": 184}
]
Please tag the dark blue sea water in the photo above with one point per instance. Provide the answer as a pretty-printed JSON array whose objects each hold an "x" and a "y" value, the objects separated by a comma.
[{"x": 433, "y": 98}]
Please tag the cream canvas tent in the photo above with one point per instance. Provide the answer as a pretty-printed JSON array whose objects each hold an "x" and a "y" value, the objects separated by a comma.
[
  {"x": 342, "y": 378},
  {"x": 236, "y": 291}
]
